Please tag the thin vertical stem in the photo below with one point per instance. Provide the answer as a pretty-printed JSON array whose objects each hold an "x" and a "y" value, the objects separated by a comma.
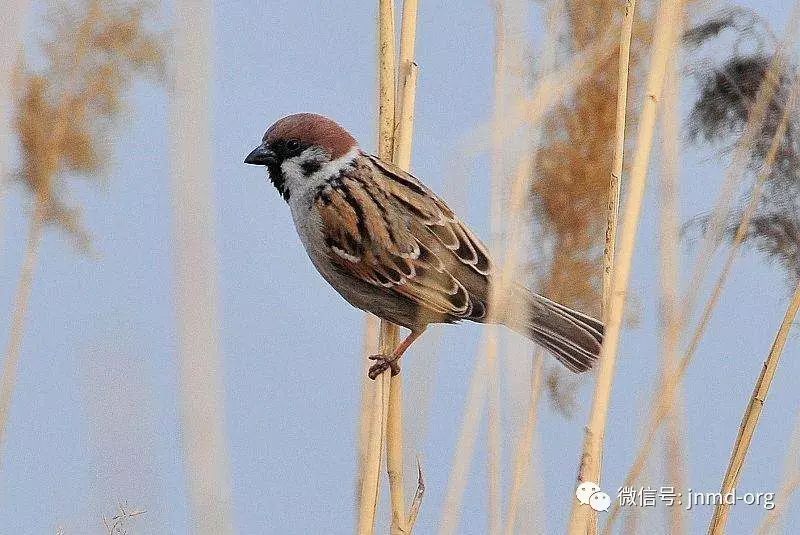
[
  {"x": 674, "y": 453},
  {"x": 370, "y": 477},
  {"x": 752, "y": 414},
  {"x": 389, "y": 422},
  {"x": 387, "y": 79},
  {"x": 494, "y": 434},
  {"x": 522, "y": 459},
  {"x": 497, "y": 298},
  {"x": 394, "y": 456},
  {"x": 671, "y": 381},
  {"x": 791, "y": 481},
  {"x": 615, "y": 186},
  {"x": 365, "y": 420},
  {"x": 401, "y": 155},
  {"x": 465, "y": 446},
  {"x": 18, "y": 317},
  {"x": 584, "y": 519},
  {"x": 522, "y": 183},
  {"x": 581, "y": 518},
  {"x": 201, "y": 374}
]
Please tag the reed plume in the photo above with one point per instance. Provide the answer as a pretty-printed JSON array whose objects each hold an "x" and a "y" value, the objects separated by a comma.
[{"x": 93, "y": 51}]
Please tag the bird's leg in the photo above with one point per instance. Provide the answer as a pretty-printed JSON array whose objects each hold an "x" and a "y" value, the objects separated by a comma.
[{"x": 384, "y": 362}]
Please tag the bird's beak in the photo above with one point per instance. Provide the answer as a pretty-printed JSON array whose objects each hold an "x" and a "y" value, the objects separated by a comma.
[{"x": 261, "y": 155}]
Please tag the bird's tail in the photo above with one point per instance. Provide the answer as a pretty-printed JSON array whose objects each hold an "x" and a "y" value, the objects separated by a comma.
[{"x": 572, "y": 337}]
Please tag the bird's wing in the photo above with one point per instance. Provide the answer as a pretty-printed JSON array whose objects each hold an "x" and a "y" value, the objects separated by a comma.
[{"x": 386, "y": 228}]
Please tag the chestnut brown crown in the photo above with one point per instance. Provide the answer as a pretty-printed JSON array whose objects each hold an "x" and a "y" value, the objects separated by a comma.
[{"x": 311, "y": 129}]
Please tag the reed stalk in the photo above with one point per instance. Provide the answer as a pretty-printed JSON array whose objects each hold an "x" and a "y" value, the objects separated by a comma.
[
  {"x": 522, "y": 458},
  {"x": 395, "y": 131},
  {"x": 791, "y": 481},
  {"x": 522, "y": 183},
  {"x": 752, "y": 414},
  {"x": 18, "y": 317},
  {"x": 370, "y": 347},
  {"x": 201, "y": 374},
  {"x": 498, "y": 296},
  {"x": 771, "y": 520},
  {"x": 388, "y": 332},
  {"x": 671, "y": 380},
  {"x": 369, "y": 492},
  {"x": 465, "y": 447},
  {"x": 584, "y": 519},
  {"x": 387, "y": 79},
  {"x": 757, "y": 399},
  {"x": 674, "y": 452},
  {"x": 401, "y": 155},
  {"x": 615, "y": 186}
]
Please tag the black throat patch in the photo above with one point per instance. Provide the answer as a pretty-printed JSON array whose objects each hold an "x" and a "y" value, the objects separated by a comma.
[{"x": 278, "y": 180}]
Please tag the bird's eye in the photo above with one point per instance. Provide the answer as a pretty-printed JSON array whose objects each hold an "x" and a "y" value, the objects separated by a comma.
[{"x": 292, "y": 145}]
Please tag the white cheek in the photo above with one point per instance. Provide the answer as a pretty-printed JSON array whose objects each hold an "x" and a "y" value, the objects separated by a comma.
[
  {"x": 291, "y": 171},
  {"x": 295, "y": 181},
  {"x": 301, "y": 185}
]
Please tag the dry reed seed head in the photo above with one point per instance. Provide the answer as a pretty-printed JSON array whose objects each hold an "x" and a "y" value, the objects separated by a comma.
[
  {"x": 571, "y": 179},
  {"x": 94, "y": 51},
  {"x": 777, "y": 236},
  {"x": 727, "y": 90},
  {"x": 721, "y": 113},
  {"x": 573, "y": 164},
  {"x": 744, "y": 23},
  {"x": 33, "y": 123},
  {"x": 728, "y": 94},
  {"x": 774, "y": 233}
]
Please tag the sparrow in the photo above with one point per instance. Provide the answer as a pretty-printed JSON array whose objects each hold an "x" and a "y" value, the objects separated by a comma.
[{"x": 392, "y": 247}]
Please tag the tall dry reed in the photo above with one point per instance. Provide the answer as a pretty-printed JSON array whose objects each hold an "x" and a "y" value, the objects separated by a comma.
[
  {"x": 200, "y": 360},
  {"x": 582, "y": 519},
  {"x": 385, "y": 414},
  {"x": 751, "y": 135},
  {"x": 674, "y": 460},
  {"x": 521, "y": 112},
  {"x": 753, "y": 411},
  {"x": 585, "y": 521},
  {"x": 66, "y": 110}
]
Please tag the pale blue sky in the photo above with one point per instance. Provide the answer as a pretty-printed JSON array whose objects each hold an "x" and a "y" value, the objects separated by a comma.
[{"x": 94, "y": 418}]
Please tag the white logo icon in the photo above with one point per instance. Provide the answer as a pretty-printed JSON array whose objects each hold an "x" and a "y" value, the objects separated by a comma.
[
  {"x": 585, "y": 491},
  {"x": 589, "y": 493},
  {"x": 600, "y": 501}
]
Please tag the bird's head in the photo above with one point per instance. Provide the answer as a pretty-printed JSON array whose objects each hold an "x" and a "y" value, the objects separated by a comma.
[{"x": 298, "y": 146}]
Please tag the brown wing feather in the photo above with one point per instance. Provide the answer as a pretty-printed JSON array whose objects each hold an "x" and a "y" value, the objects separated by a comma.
[
  {"x": 432, "y": 211},
  {"x": 393, "y": 232}
]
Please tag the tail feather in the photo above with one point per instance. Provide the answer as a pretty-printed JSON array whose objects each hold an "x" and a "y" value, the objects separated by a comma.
[{"x": 572, "y": 337}]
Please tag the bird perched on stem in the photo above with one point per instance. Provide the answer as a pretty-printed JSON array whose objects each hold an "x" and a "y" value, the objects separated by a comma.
[{"x": 392, "y": 247}]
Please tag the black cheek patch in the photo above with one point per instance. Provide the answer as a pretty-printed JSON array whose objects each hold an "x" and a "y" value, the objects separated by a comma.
[{"x": 310, "y": 167}]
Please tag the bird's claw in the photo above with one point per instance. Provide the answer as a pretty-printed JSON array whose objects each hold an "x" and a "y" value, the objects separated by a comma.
[{"x": 383, "y": 363}]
